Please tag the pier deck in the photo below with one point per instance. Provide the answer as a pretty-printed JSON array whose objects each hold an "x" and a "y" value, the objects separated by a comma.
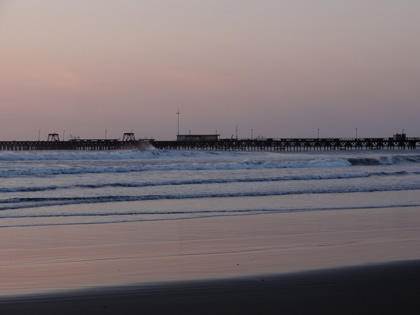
[{"x": 308, "y": 144}]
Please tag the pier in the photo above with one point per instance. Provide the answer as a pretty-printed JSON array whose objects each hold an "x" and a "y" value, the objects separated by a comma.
[
  {"x": 128, "y": 142},
  {"x": 84, "y": 145},
  {"x": 213, "y": 143},
  {"x": 307, "y": 144}
]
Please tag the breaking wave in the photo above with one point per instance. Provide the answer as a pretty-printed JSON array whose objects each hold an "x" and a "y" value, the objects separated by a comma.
[
  {"x": 204, "y": 181},
  {"x": 197, "y": 162},
  {"x": 359, "y": 159}
]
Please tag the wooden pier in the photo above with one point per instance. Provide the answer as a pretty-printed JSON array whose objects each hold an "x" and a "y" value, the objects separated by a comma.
[
  {"x": 84, "y": 145},
  {"x": 327, "y": 144},
  {"x": 130, "y": 143}
]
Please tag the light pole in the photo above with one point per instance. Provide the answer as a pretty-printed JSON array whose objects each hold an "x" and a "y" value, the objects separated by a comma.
[
  {"x": 178, "y": 113},
  {"x": 356, "y": 133},
  {"x": 318, "y": 133}
]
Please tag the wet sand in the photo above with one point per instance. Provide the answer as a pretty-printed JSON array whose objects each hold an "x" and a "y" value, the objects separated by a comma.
[{"x": 156, "y": 267}]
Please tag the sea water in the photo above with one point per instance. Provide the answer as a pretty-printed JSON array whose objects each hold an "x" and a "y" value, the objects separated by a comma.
[{"x": 79, "y": 187}]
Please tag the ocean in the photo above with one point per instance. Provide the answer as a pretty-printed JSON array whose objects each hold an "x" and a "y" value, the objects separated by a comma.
[{"x": 39, "y": 188}]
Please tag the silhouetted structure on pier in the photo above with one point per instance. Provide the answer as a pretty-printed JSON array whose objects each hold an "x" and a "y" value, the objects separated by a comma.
[{"x": 198, "y": 138}]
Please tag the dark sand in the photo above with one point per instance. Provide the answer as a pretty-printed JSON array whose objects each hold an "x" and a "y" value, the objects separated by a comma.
[{"x": 391, "y": 288}]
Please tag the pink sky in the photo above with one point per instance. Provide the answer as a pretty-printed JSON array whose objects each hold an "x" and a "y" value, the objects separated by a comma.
[{"x": 279, "y": 68}]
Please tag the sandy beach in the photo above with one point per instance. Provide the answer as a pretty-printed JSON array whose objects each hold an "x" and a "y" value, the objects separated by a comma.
[{"x": 346, "y": 259}]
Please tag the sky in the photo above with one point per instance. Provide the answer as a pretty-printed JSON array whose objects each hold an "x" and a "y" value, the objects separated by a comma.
[{"x": 269, "y": 68}]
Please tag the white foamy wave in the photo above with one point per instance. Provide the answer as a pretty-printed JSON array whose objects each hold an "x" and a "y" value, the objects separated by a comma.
[
  {"x": 110, "y": 155},
  {"x": 206, "y": 181},
  {"x": 220, "y": 163},
  {"x": 79, "y": 155},
  {"x": 159, "y": 160},
  {"x": 318, "y": 159},
  {"x": 168, "y": 166},
  {"x": 384, "y": 160}
]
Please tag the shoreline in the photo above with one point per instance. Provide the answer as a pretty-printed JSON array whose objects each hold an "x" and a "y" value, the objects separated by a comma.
[{"x": 373, "y": 288}]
